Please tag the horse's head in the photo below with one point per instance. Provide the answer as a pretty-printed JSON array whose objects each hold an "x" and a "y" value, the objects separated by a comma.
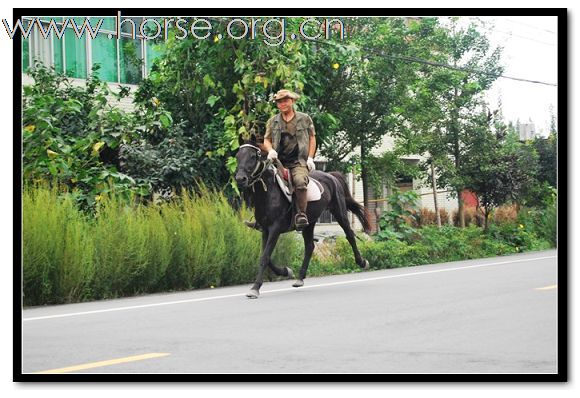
[{"x": 249, "y": 163}]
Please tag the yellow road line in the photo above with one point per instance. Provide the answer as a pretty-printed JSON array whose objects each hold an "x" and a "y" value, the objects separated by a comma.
[
  {"x": 547, "y": 287},
  {"x": 104, "y": 363}
]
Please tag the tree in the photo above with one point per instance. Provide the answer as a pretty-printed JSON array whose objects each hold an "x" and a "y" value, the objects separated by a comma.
[
  {"x": 71, "y": 136},
  {"x": 366, "y": 90},
  {"x": 446, "y": 96},
  {"x": 496, "y": 167},
  {"x": 217, "y": 89}
]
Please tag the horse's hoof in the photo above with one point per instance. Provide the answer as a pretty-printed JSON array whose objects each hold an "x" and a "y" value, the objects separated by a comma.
[
  {"x": 298, "y": 283},
  {"x": 366, "y": 265},
  {"x": 290, "y": 273},
  {"x": 253, "y": 294}
]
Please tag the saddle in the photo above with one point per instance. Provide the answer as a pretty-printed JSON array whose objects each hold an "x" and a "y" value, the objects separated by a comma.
[{"x": 314, "y": 189}]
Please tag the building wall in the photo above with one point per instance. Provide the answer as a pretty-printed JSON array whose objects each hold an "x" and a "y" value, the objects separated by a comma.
[
  {"x": 527, "y": 131},
  {"x": 445, "y": 200}
]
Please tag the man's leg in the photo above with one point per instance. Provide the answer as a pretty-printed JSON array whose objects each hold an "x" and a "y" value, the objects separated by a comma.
[{"x": 300, "y": 179}]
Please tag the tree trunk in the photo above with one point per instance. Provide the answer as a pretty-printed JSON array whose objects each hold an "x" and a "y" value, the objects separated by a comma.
[
  {"x": 434, "y": 182},
  {"x": 364, "y": 175},
  {"x": 460, "y": 209},
  {"x": 457, "y": 154},
  {"x": 485, "y": 217}
]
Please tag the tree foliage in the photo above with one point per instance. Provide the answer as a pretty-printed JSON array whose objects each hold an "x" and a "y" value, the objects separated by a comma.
[
  {"x": 71, "y": 135},
  {"x": 497, "y": 167}
]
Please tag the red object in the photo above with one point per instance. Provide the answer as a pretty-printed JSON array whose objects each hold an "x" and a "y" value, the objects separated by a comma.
[{"x": 469, "y": 198}]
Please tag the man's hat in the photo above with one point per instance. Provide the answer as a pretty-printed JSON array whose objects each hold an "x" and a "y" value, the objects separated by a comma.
[{"x": 285, "y": 94}]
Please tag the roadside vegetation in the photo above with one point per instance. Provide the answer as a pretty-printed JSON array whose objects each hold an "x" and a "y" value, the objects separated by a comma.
[{"x": 199, "y": 241}]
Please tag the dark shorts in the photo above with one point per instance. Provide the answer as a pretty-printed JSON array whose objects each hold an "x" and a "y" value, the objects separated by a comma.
[{"x": 299, "y": 177}]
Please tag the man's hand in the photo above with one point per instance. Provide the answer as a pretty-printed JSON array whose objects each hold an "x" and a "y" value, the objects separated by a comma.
[
  {"x": 272, "y": 154},
  {"x": 310, "y": 164}
]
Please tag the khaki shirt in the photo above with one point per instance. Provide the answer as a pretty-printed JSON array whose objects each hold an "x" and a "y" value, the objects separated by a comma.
[{"x": 291, "y": 139}]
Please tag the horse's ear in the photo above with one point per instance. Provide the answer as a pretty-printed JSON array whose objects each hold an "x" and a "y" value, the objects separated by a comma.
[{"x": 241, "y": 140}]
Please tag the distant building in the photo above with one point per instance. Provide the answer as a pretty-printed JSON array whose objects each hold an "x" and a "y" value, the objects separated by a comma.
[{"x": 527, "y": 131}]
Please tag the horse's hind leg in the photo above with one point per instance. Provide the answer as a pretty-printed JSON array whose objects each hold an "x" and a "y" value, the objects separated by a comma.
[
  {"x": 342, "y": 219},
  {"x": 285, "y": 271},
  {"x": 308, "y": 235}
]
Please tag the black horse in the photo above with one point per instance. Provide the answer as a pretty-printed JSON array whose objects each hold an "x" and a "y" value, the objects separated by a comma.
[{"x": 275, "y": 214}]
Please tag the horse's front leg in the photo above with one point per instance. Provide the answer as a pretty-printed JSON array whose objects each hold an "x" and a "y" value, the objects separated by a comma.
[{"x": 269, "y": 240}]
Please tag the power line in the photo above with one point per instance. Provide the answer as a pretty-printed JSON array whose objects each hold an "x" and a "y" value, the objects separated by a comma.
[
  {"x": 438, "y": 64},
  {"x": 523, "y": 37},
  {"x": 514, "y": 34},
  {"x": 528, "y": 25},
  {"x": 441, "y": 65},
  {"x": 510, "y": 33}
]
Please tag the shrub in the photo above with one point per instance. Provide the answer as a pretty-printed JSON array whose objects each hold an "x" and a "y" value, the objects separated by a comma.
[
  {"x": 425, "y": 217},
  {"x": 506, "y": 213},
  {"x": 472, "y": 216},
  {"x": 518, "y": 236},
  {"x": 444, "y": 215},
  {"x": 71, "y": 135}
]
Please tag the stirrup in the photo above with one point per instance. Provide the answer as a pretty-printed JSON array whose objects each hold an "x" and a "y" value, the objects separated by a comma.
[{"x": 301, "y": 221}]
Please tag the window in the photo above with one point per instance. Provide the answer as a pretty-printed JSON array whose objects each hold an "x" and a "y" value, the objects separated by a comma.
[
  {"x": 57, "y": 48},
  {"x": 75, "y": 55},
  {"x": 104, "y": 53},
  {"x": 131, "y": 57},
  {"x": 126, "y": 60},
  {"x": 153, "y": 51},
  {"x": 25, "y": 54}
]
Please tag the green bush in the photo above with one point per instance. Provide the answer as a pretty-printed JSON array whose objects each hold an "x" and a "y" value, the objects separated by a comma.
[
  {"x": 519, "y": 236},
  {"x": 430, "y": 245},
  {"x": 71, "y": 135},
  {"x": 542, "y": 221}
]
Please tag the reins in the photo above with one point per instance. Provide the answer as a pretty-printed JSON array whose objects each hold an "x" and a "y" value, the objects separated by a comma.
[{"x": 261, "y": 167}]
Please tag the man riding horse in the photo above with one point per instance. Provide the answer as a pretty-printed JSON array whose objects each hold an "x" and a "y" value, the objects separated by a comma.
[{"x": 290, "y": 138}]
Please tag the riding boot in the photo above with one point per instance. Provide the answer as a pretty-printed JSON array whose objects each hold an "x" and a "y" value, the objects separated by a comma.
[
  {"x": 253, "y": 225},
  {"x": 301, "y": 221}
]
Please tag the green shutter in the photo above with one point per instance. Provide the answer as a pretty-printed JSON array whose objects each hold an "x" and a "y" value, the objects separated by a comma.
[
  {"x": 57, "y": 48},
  {"x": 25, "y": 54},
  {"x": 105, "y": 54},
  {"x": 76, "y": 55},
  {"x": 109, "y": 23}
]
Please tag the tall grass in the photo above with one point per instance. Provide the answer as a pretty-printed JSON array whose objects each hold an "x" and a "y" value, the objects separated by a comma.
[
  {"x": 58, "y": 248},
  {"x": 197, "y": 241}
]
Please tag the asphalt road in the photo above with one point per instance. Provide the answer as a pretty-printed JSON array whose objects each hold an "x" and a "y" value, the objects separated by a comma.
[{"x": 495, "y": 315}]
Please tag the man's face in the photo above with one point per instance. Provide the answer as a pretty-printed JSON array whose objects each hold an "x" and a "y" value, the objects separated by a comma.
[{"x": 284, "y": 104}]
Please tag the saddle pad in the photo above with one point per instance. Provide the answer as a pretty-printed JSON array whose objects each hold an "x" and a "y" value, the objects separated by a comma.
[{"x": 314, "y": 188}]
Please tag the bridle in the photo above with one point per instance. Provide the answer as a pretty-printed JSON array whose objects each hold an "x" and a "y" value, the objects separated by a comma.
[{"x": 261, "y": 167}]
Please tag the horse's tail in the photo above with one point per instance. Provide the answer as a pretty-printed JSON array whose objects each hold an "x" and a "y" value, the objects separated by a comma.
[{"x": 359, "y": 211}]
